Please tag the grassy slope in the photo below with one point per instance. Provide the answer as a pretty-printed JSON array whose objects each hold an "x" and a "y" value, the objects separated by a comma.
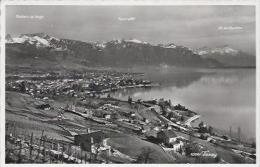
[
  {"x": 20, "y": 109},
  {"x": 133, "y": 146}
]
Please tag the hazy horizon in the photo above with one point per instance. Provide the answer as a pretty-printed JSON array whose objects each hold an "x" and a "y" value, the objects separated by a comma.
[{"x": 190, "y": 26}]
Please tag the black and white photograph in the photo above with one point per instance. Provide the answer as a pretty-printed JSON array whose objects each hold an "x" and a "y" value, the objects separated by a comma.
[{"x": 129, "y": 84}]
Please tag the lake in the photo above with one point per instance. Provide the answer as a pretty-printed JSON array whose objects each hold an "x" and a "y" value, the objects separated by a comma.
[{"x": 223, "y": 97}]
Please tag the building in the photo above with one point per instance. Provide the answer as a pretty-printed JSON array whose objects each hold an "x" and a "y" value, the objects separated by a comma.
[
  {"x": 151, "y": 133},
  {"x": 204, "y": 136},
  {"x": 44, "y": 106},
  {"x": 166, "y": 136},
  {"x": 152, "y": 136},
  {"x": 86, "y": 140},
  {"x": 111, "y": 116},
  {"x": 177, "y": 145},
  {"x": 88, "y": 112},
  {"x": 155, "y": 108}
]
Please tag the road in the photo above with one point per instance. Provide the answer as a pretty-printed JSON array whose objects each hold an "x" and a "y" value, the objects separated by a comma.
[{"x": 191, "y": 119}]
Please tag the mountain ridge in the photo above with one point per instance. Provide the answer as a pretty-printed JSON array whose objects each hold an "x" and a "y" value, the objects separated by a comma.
[
  {"x": 111, "y": 53},
  {"x": 228, "y": 56}
]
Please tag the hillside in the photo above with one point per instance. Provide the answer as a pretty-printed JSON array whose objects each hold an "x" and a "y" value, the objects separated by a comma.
[{"x": 135, "y": 147}]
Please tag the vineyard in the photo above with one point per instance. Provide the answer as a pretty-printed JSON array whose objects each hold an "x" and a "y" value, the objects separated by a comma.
[{"x": 25, "y": 147}]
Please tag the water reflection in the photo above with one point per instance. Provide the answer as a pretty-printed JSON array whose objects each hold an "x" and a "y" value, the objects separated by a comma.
[{"x": 224, "y": 98}]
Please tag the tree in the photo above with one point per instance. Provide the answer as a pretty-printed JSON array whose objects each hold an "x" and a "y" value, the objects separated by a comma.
[
  {"x": 188, "y": 150},
  {"x": 202, "y": 128},
  {"x": 201, "y": 124},
  {"x": 170, "y": 102},
  {"x": 164, "y": 111},
  {"x": 182, "y": 118},
  {"x": 170, "y": 115},
  {"x": 23, "y": 87},
  {"x": 253, "y": 145},
  {"x": 190, "y": 136},
  {"x": 129, "y": 100},
  {"x": 210, "y": 130},
  {"x": 239, "y": 134},
  {"x": 217, "y": 159},
  {"x": 145, "y": 155},
  {"x": 180, "y": 150}
]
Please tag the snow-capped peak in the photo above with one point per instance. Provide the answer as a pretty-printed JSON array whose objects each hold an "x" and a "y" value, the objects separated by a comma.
[
  {"x": 136, "y": 41},
  {"x": 168, "y": 46},
  {"x": 32, "y": 39},
  {"x": 227, "y": 49},
  {"x": 218, "y": 50},
  {"x": 37, "y": 39}
]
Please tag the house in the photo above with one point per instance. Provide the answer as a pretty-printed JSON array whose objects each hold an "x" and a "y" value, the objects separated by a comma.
[
  {"x": 151, "y": 133},
  {"x": 152, "y": 136},
  {"x": 110, "y": 116},
  {"x": 210, "y": 139},
  {"x": 44, "y": 106},
  {"x": 87, "y": 139},
  {"x": 166, "y": 136},
  {"x": 204, "y": 136},
  {"x": 89, "y": 113},
  {"x": 101, "y": 113},
  {"x": 155, "y": 108},
  {"x": 177, "y": 145},
  {"x": 157, "y": 128}
]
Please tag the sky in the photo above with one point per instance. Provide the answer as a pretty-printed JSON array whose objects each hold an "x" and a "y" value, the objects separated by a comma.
[{"x": 190, "y": 26}]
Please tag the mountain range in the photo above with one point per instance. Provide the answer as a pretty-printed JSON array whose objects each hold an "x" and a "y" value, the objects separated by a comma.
[
  {"x": 228, "y": 56},
  {"x": 42, "y": 50}
]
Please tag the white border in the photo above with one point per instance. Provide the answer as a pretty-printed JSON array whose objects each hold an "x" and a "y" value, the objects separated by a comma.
[
  {"x": 2, "y": 87},
  {"x": 130, "y": 2},
  {"x": 255, "y": 3},
  {"x": 257, "y": 81}
]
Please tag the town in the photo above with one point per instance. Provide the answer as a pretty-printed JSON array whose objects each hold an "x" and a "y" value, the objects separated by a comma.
[{"x": 71, "y": 117}]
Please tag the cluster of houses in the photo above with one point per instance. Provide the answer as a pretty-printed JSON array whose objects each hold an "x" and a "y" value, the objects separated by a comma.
[
  {"x": 167, "y": 138},
  {"x": 96, "y": 143},
  {"x": 78, "y": 85}
]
